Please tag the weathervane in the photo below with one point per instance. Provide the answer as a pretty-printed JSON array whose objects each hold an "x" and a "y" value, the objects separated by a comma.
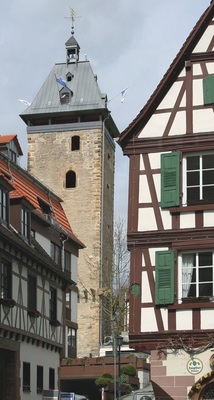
[{"x": 73, "y": 16}]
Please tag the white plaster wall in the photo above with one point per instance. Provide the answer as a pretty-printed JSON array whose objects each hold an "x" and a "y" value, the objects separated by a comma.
[
  {"x": 205, "y": 40},
  {"x": 164, "y": 314},
  {"x": 187, "y": 220},
  {"x": 42, "y": 357},
  {"x": 144, "y": 193},
  {"x": 148, "y": 320},
  {"x": 166, "y": 218},
  {"x": 146, "y": 219},
  {"x": 198, "y": 98},
  {"x": 210, "y": 68},
  {"x": 208, "y": 218},
  {"x": 142, "y": 166},
  {"x": 45, "y": 243},
  {"x": 183, "y": 320},
  {"x": 171, "y": 97},
  {"x": 179, "y": 124},
  {"x": 143, "y": 261},
  {"x": 157, "y": 183},
  {"x": 155, "y": 126},
  {"x": 203, "y": 120},
  {"x": 196, "y": 69},
  {"x": 155, "y": 159},
  {"x": 74, "y": 267},
  {"x": 146, "y": 296},
  {"x": 207, "y": 318}
]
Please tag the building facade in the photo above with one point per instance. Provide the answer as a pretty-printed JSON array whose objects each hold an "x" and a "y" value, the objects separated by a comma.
[
  {"x": 170, "y": 145},
  {"x": 71, "y": 149},
  {"x": 38, "y": 273}
]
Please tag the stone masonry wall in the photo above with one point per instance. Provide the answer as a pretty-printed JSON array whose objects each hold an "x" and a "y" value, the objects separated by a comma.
[{"x": 49, "y": 158}]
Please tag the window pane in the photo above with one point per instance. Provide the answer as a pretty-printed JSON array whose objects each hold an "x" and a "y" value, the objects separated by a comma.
[
  {"x": 39, "y": 379},
  {"x": 193, "y": 163},
  {"x": 205, "y": 275},
  {"x": 192, "y": 178},
  {"x": 208, "y": 192},
  {"x": 193, "y": 195},
  {"x": 205, "y": 289},
  {"x": 26, "y": 376},
  {"x": 205, "y": 258},
  {"x": 208, "y": 161},
  {"x": 51, "y": 379},
  {"x": 208, "y": 177},
  {"x": 32, "y": 289}
]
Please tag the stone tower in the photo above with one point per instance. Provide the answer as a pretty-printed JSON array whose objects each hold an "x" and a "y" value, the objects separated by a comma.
[{"x": 71, "y": 149}]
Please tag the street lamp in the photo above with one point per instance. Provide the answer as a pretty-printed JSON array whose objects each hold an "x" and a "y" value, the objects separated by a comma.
[{"x": 119, "y": 342}]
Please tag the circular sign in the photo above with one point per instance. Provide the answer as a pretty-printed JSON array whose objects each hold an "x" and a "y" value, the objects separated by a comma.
[{"x": 194, "y": 366}]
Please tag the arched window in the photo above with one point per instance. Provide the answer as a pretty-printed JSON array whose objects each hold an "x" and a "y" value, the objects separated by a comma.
[
  {"x": 75, "y": 143},
  {"x": 70, "y": 181}
]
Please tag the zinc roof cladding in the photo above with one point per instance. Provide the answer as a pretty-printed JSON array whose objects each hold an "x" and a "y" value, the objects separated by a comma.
[
  {"x": 175, "y": 68},
  {"x": 27, "y": 187},
  {"x": 83, "y": 85},
  {"x": 5, "y": 139}
]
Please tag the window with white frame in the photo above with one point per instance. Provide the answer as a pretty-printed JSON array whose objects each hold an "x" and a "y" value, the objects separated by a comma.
[
  {"x": 198, "y": 178},
  {"x": 197, "y": 274}
]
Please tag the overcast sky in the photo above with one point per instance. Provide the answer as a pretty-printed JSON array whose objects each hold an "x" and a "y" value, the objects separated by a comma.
[{"x": 129, "y": 44}]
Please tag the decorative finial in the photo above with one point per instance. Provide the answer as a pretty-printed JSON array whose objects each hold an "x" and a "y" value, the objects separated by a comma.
[{"x": 73, "y": 15}]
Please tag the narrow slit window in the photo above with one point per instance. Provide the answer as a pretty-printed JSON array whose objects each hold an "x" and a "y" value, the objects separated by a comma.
[{"x": 75, "y": 143}]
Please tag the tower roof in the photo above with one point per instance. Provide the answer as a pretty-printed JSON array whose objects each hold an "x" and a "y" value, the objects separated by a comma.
[
  {"x": 71, "y": 89},
  {"x": 85, "y": 92}
]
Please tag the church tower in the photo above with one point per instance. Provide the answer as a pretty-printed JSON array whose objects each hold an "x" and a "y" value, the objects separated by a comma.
[{"x": 71, "y": 149}]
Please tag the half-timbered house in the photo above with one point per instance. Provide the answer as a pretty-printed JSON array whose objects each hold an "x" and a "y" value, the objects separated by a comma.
[
  {"x": 170, "y": 145},
  {"x": 38, "y": 274}
]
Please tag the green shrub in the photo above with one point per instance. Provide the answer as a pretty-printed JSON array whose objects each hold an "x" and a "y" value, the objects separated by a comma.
[
  {"x": 104, "y": 380},
  {"x": 128, "y": 370}
]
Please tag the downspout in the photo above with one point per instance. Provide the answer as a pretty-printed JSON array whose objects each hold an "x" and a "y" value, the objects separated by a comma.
[
  {"x": 65, "y": 328},
  {"x": 63, "y": 253}
]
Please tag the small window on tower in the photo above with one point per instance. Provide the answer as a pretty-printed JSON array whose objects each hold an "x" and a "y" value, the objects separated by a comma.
[
  {"x": 69, "y": 77},
  {"x": 70, "y": 179},
  {"x": 75, "y": 143},
  {"x": 64, "y": 98}
]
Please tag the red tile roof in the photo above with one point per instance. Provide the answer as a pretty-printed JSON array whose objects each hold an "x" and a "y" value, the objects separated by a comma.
[
  {"x": 27, "y": 187},
  {"x": 5, "y": 139}
]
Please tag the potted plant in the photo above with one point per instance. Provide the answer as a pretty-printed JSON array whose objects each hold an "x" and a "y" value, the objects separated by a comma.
[{"x": 104, "y": 380}]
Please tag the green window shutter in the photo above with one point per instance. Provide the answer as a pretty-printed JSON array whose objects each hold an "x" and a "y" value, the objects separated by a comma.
[
  {"x": 170, "y": 167},
  {"x": 164, "y": 277},
  {"x": 208, "y": 89}
]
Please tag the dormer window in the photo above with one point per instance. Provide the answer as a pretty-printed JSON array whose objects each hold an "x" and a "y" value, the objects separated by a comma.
[
  {"x": 65, "y": 96},
  {"x": 69, "y": 77},
  {"x": 12, "y": 155},
  {"x": 45, "y": 207}
]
